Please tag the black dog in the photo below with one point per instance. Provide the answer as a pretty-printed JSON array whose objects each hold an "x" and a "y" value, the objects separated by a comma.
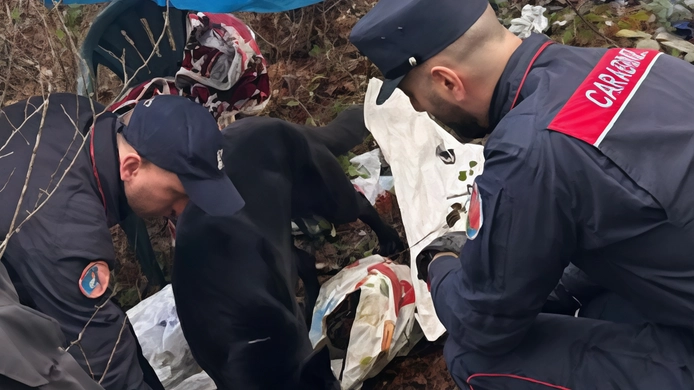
[{"x": 234, "y": 278}]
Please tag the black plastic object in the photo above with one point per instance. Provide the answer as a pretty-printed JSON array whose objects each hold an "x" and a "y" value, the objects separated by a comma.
[{"x": 129, "y": 29}]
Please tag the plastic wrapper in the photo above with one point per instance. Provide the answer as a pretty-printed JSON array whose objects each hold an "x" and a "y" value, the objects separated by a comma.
[
  {"x": 432, "y": 173},
  {"x": 532, "y": 20},
  {"x": 365, "y": 315},
  {"x": 160, "y": 335}
]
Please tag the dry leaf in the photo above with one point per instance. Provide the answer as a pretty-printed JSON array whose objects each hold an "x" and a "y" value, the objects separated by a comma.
[
  {"x": 632, "y": 34},
  {"x": 689, "y": 57},
  {"x": 648, "y": 44},
  {"x": 675, "y": 42}
]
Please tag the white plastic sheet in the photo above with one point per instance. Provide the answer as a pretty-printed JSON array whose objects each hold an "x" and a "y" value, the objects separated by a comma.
[
  {"x": 383, "y": 320},
  {"x": 532, "y": 20},
  {"x": 426, "y": 183},
  {"x": 159, "y": 332},
  {"x": 369, "y": 163}
]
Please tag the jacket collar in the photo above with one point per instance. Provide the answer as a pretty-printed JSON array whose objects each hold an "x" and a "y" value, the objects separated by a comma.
[
  {"x": 107, "y": 166},
  {"x": 510, "y": 80}
]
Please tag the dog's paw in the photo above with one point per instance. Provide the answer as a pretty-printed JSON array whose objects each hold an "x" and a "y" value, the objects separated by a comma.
[{"x": 391, "y": 244}]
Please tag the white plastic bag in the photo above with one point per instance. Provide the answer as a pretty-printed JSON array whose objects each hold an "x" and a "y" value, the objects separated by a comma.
[
  {"x": 371, "y": 163},
  {"x": 532, "y": 20},
  {"x": 426, "y": 163},
  {"x": 380, "y": 296},
  {"x": 160, "y": 335}
]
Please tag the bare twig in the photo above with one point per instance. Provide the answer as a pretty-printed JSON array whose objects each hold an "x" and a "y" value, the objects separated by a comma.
[
  {"x": 97, "y": 307},
  {"x": 587, "y": 23},
  {"x": 8, "y": 178},
  {"x": 3, "y": 245},
  {"x": 113, "y": 352},
  {"x": 50, "y": 43},
  {"x": 16, "y": 130},
  {"x": 86, "y": 360},
  {"x": 60, "y": 163}
]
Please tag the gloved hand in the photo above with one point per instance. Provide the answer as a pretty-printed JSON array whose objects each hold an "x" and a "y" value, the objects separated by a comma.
[{"x": 449, "y": 242}]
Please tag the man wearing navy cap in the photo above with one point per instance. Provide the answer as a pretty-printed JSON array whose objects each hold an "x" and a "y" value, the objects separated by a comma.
[
  {"x": 588, "y": 162},
  {"x": 59, "y": 251}
]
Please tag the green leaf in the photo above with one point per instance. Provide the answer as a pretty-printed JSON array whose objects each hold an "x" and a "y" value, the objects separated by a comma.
[
  {"x": 315, "y": 51},
  {"x": 462, "y": 176},
  {"x": 344, "y": 163},
  {"x": 310, "y": 121},
  {"x": 602, "y": 9},
  {"x": 473, "y": 164},
  {"x": 623, "y": 25},
  {"x": 593, "y": 18},
  {"x": 60, "y": 34},
  {"x": 675, "y": 53},
  {"x": 292, "y": 103},
  {"x": 15, "y": 14},
  {"x": 585, "y": 36},
  {"x": 352, "y": 172},
  {"x": 384, "y": 288},
  {"x": 641, "y": 16},
  {"x": 324, "y": 225},
  {"x": 470, "y": 172},
  {"x": 568, "y": 36}
]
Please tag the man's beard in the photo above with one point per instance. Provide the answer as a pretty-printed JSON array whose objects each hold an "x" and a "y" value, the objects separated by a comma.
[
  {"x": 469, "y": 130},
  {"x": 460, "y": 121}
]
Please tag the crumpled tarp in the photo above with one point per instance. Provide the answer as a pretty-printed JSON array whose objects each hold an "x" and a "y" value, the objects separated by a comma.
[
  {"x": 218, "y": 6},
  {"x": 432, "y": 171}
]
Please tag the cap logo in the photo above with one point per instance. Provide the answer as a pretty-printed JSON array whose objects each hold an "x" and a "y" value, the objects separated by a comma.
[
  {"x": 413, "y": 62},
  {"x": 220, "y": 162},
  {"x": 148, "y": 102}
]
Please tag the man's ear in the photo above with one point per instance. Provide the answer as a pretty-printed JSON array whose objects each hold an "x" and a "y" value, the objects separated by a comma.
[
  {"x": 448, "y": 82},
  {"x": 130, "y": 165}
]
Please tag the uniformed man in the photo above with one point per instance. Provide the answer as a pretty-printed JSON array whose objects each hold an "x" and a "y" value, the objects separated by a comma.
[
  {"x": 59, "y": 251},
  {"x": 589, "y": 161}
]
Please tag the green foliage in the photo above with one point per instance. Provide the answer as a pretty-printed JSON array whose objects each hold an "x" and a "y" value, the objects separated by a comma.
[
  {"x": 568, "y": 36},
  {"x": 15, "y": 14},
  {"x": 315, "y": 51},
  {"x": 73, "y": 18},
  {"x": 347, "y": 167}
]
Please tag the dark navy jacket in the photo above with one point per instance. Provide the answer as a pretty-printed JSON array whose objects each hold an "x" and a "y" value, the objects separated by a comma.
[
  {"x": 610, "y": 188},
  {"x": 73, "y": 223}
]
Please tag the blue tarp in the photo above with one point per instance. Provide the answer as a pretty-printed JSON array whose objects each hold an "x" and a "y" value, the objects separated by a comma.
[{"x": 219, "y": 6}]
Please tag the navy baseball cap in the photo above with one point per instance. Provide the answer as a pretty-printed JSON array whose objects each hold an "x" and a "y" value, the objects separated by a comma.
[
  {"x": 181, "y": 136},
  {"x": 398, "y": 35}
]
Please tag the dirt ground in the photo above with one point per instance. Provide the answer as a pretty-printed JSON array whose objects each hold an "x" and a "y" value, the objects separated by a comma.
[{"x": 315, "y": 73}]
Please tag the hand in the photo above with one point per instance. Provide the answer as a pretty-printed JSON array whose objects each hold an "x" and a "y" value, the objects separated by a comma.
[{"x": 450, "y": 242}]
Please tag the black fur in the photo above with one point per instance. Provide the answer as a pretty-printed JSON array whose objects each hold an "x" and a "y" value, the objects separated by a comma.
[{"x": 234, "y": 278}]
